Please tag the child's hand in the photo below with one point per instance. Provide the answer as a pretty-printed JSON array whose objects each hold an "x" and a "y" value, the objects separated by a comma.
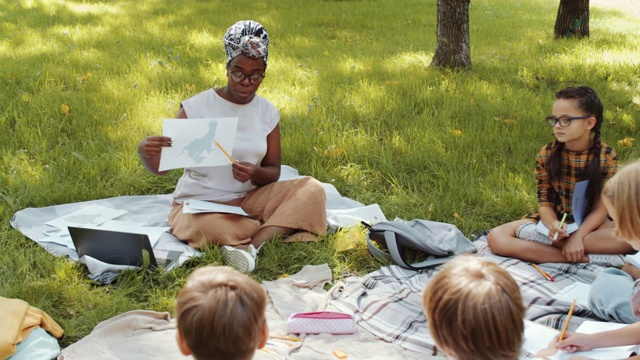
[
  {"x": 557, "y": 229},
  {"x": 574, "y": 342},
  {"x": 573, "y": 249},
  {"x": 546, "y": 352}
]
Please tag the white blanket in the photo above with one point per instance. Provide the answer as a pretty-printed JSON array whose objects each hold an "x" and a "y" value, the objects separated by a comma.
[{"x": 153, "y": 211}]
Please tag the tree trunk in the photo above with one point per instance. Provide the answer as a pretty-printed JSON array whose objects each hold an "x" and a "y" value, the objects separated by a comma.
[
  {"x": 452, "y": 38},
  {"x": 572, "y": 19}
]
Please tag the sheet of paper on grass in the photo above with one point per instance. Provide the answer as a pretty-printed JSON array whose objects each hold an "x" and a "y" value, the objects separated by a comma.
[
  {"x": 192, "y": 206},
  {"x": 63, "y": 239},
  {"x": 577, "y": 290},
  {"x": 578, "y": 207},
  {"x": 92, "y": 215},
  {"x": 89, "y": 215},
  {"x": 538, "y": 337},
  {"x": 193, "y": 142}
]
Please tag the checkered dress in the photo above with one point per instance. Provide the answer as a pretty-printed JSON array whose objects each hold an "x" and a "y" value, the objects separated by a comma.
[{"x": 558, "y": 194}]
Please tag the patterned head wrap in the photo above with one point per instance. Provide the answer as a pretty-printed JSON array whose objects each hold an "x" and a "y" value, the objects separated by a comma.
[{"x": 246, "y": 37}]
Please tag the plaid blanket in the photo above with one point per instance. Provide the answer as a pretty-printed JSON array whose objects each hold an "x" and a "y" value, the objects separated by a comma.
[{"x": 388, "y": 302}]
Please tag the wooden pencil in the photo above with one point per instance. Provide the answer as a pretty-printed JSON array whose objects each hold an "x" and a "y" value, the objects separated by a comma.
[
  {"x": 544, "y": 274},
  {"x": 288, "y": 338},
  {"x": 225, "y": 152},
  {"x": 566, "y": 322}
]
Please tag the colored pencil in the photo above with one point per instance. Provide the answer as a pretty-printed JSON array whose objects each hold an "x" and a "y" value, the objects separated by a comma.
[
  {"x": 566, "y": 322},
  {"x": 543, "y": 273},
  {"x": 288, "y": 338},
  {"x": 272, "y": 353},
  {"x": 564, "y": 217},
  {"x": 225, "y": 152}
]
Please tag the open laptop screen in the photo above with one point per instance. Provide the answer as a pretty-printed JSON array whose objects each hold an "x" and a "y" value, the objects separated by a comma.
[{"x": 112, "y": 247}]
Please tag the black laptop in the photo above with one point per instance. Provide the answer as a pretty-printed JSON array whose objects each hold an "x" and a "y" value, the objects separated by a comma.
[{"x": 112, "y": 247}]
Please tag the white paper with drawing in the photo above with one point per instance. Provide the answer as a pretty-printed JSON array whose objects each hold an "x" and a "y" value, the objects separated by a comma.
[
  {"x": 193, "y": 142},
  {"x": 578, "y": 207}
]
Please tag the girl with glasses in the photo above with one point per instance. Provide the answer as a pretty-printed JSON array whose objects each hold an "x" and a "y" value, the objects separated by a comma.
[
  {"x": 294, "y": 208},
  {"x": 576, "y": 155}
]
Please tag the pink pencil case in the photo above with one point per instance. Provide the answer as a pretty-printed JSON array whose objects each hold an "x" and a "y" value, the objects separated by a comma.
[{"x": 321, "y": 322}]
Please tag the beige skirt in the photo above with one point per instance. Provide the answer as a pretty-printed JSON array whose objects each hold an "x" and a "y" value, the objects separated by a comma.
[{"x": 295, "y": 204}]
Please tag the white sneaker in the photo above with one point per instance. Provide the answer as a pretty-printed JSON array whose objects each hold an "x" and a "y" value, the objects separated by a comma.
[
  {"x": 528, "y": 232},
  {"x": 241, "y": 260},
  {"x": 607, "y": 259},
  {"x": 255, "y": 251}
]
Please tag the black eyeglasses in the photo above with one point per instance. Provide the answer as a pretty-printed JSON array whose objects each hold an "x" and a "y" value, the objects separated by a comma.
[
  {"x": 239, "y": 76},
  {"x": 564, "y": 121}
]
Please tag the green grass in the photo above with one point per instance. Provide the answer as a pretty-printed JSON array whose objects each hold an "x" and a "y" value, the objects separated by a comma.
[{"x": 83, "y": 81}]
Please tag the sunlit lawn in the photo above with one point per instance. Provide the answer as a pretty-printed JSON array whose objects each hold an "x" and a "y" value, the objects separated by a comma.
[{"x": 84, "y": 81}]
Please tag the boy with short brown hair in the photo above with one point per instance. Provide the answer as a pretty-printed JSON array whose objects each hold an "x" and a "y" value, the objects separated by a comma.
[
  {"x": 221, "y": 315},
  {"x": 475, "y": 311}
]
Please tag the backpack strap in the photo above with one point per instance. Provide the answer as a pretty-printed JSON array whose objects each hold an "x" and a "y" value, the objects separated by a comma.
[
  {"x": 392, "y": 245},
  {"x": 390, "y": 230},
  {"x": 430, "y": 263}
]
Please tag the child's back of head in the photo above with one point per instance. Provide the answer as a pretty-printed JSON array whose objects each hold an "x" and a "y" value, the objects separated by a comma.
[
  {"x": 221, "y": 314},
  {"x": 474, "y": 310}
]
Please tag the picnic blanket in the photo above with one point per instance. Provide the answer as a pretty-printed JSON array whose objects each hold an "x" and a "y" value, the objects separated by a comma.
[
  {"x": 144, "y": 334},
  {"x": 153, "y": 211},
  {"x": 387, "y": 306},
  {"x": 388, "y": 302}
]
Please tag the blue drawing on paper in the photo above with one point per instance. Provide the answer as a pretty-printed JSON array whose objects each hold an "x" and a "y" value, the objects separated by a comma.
[{"x": 198, "y": 147}]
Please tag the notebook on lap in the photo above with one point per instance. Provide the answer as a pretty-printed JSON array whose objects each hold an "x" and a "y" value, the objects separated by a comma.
[{"x": 114, "y": 247}]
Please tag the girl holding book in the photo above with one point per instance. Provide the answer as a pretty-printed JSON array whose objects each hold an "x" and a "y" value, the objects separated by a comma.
[{"x": 577, "y": 154}]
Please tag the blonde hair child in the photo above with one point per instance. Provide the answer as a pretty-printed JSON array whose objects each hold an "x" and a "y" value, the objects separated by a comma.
[
  {"x": 221, "y": 315},
  {"x": 621, "y": 196},
  {"x": 474, "y": 310}
]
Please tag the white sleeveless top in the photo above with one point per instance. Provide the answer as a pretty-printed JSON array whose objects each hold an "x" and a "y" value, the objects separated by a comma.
[{"x": 256, "y": 120}]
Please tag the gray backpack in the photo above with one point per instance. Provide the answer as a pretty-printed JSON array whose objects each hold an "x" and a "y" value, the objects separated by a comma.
[{"x": 389, "y": 240}]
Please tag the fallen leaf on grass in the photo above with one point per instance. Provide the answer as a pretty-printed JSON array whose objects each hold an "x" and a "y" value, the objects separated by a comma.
[{"x": 626, "y": 142}]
